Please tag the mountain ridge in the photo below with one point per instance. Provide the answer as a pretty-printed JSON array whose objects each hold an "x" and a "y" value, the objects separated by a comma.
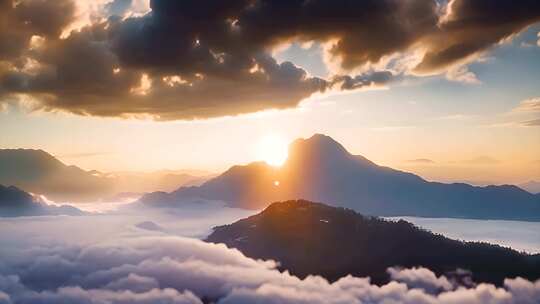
[
  {"x": 15, "y": 202},
  {"x": 310, "y": 238},
  {"x": 320, "y": 169},
  {"x": 39, "y": 172}
]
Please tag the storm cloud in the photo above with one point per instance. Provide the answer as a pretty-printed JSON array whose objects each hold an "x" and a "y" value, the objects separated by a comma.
[
  {"x": 168, "y": 269},
  {"x": 193, "y": 59}
]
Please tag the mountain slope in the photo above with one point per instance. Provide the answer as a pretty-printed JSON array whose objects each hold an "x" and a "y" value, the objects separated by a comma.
[
  {"x": 312, "y": 238},
  {"x": 320, "y": 169},
  {"x": 39, "y": 172},
  {"x": 15, "y": 202}
]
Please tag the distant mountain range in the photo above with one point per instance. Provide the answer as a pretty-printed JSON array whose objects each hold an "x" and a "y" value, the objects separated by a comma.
[
  {"x": 39, "y": 172},
  {"x": 320, "y": 169},
  {"x": 15, "y": 202},
  {"x": 311, "y": 238}
]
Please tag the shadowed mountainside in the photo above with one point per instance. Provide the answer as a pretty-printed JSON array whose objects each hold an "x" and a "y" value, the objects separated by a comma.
[
  {"x": 313, "y": 238},
  {"x": 320, "y": 169},
  {"x": 15, "y": 202},
  {"x": 41, "y": 173}
]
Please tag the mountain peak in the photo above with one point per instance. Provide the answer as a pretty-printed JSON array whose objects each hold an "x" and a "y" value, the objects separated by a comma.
[
  {"x": 30, "y": 157},
  {"x": 318, "y": 147},
  {"x": 320, "y": 169},
  {"x": 319, "y": 139},
  {"x": 13, "y": 197}
]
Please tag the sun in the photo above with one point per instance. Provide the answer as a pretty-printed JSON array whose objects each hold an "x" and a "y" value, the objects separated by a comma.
[{"x": 273, "y": 150}]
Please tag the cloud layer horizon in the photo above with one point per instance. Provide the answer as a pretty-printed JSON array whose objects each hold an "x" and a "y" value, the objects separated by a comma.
[{"x": 172, "y": 269}]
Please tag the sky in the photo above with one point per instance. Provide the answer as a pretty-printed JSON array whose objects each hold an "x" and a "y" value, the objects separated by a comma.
[{"x": 124, "y": 85}]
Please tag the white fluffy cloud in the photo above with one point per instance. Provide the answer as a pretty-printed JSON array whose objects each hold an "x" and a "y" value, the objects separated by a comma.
[
  {"x": 528, "y": 105},
  {"x": 182, "y": 270},
  {"x": 79, "y": 295},
  {"x": 421, "y": 278}
]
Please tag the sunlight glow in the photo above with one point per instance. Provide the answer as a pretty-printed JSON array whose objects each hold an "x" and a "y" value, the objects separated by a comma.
[{"x": 273, "y": 150}]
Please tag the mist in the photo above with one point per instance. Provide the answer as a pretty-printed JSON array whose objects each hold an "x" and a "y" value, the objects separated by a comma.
[{"x": 157, "y": 256}]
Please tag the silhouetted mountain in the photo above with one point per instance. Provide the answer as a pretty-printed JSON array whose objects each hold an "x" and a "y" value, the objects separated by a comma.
[
  {"x": 39, "y": 172},
  {"x": 320, "y": 169},
  {"x": 312, "y": 238},
  {"x": 239, "y": 186},
  {"x": 15, "y": 202},
  {"x": 164, "y": 180}
]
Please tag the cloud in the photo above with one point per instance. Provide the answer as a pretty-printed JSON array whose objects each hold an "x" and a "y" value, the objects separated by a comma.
[
  {"x": 528, "y": 106},
  {"x": 525, "y": 114},
  {"x": 79, "y": 295},
  {"x": 180, "y": 270},
  {"x": 29, "y": 18},
  {"x": 355, "y": 290},
  {"x": 421, "y": 161},
  {"x": 187, "y": 60},
  {"x": 531, "y": 123},
  {"x": 469, "y": 28},
  {"x": 368, "y": 80},
  {"x": 462, "y": 74},
  {"x": 421, "y": 278}
]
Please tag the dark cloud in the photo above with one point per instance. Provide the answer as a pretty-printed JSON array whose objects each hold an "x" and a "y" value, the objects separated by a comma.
[
  {"x": 364, "y": 80},
  {"x": 44, "y": 17},
  {"x": 188, "y": 59},
  {"x": 471, "y": 27},
  {"x": 19, "y": 22},
  {"x": 365, "y": 31}
]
